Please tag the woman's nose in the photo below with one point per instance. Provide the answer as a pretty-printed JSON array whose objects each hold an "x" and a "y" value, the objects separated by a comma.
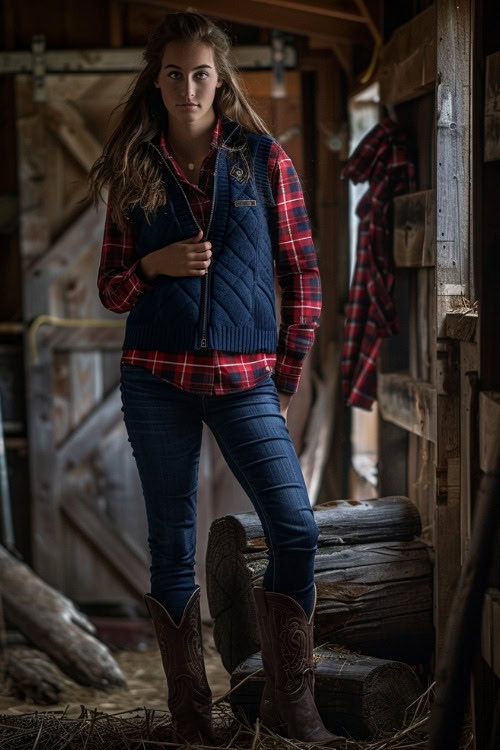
[{"x": 188, "y": 89}]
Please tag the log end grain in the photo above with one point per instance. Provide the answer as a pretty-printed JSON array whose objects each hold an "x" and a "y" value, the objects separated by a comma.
[{"x": 355, "y": 694}]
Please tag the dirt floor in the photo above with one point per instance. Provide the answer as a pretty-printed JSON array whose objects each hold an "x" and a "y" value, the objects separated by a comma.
[{"x": 144, "y": 674}]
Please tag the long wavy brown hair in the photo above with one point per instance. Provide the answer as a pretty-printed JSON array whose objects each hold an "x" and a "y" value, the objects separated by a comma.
[{"x": 125, "y": 168}]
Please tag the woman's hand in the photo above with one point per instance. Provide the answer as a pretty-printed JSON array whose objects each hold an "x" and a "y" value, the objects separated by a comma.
[
  {"x": 190, "y": 257},
  {"x": 285, "y": 399}
]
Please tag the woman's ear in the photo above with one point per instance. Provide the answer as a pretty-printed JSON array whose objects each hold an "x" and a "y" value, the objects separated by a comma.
[{"x": 219, "y": 83}]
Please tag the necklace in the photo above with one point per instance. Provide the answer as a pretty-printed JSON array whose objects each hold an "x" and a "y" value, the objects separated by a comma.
[{"x": 190, "y": 164}]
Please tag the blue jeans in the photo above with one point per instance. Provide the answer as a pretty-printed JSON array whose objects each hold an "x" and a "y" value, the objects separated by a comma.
[{"x": 164, "y": 426}]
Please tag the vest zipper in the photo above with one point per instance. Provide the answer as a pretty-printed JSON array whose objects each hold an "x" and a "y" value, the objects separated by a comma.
[{"x": 203, "y": 339}]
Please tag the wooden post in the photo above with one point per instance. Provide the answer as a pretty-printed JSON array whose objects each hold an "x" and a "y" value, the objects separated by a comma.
[{"x": 453, "y": 197}]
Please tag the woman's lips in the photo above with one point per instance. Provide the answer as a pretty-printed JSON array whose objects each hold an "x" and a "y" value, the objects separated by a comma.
[{"x": 188, "y": 106}]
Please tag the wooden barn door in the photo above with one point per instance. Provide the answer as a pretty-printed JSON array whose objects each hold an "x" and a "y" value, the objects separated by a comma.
[{"x": 89, "y": 530}]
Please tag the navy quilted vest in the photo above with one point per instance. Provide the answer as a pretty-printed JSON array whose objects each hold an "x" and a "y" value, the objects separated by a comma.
[{"x": 232, "y": 307}]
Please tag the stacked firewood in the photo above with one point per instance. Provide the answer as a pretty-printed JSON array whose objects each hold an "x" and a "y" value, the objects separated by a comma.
[{"x": 373, "y": 618}]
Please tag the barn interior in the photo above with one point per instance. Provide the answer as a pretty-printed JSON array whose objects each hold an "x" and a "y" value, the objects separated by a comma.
[{"x": 405, "y": 486}]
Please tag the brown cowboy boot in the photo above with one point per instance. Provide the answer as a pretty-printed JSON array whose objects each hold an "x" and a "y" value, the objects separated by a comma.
[
  {"x": 189, "y": 694},
  {"x": 287, "y": 641}
]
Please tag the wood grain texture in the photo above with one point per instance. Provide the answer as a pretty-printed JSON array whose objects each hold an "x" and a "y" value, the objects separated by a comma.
[
  {"x": 366, "y": 559},
  {"x": 52, "y": 622},
  {"x": 408, "y": 403},
  {"x": 351, "y": 691},
  {"x": 462, "y": 326},
  {"x": 453, "y": 141},
  {"x": 407, "y": 67},
  {"x": 415, "y": 229}
]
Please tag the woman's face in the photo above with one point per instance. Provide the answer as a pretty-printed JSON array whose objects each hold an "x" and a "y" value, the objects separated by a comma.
[{"x": 188, "y": 80}]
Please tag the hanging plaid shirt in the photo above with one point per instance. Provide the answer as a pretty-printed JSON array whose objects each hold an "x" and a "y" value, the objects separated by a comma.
[
  {"x": 120, "y": 282},
  {"x": 381, "y": 158}
]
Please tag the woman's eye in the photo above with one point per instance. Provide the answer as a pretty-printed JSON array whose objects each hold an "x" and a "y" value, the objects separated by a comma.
[{"x": 175, "y": 75}]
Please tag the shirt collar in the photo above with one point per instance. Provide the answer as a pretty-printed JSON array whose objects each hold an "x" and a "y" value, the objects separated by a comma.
[{"x": 215, "y": 140}]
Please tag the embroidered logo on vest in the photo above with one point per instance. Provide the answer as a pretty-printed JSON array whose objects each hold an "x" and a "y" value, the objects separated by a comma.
[{"x": 238, "y": 173}]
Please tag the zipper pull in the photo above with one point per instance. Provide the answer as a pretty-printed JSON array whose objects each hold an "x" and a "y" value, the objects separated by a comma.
[{"x": 203, "y": 343}]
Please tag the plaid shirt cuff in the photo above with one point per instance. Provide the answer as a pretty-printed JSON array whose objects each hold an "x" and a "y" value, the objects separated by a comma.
[{"x": 294, "y": 344}]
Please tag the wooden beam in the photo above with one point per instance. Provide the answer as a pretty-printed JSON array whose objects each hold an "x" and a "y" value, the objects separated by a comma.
[
  {"x": 370, "y": 10},
  {"x": 115, "y": 24},
  {"x": 68, "y": 126},
  {"x": 9, "y": 24},
  {"x": 452, "y": 31},
  {"x": 415, "y": 229},
  {"x": 296, "y": 21},
  {"x": 343, "y": 53},
  {"x": 408, "y": 403},
  {"x": 453, "y": 137},
  {"x": 40, "y": 275},
  {"x": 79, "y": 443},
  {"x": 117, "y": 553},
  {"x": 469, "y": 447},
  {"x": 330, "y": 8}
]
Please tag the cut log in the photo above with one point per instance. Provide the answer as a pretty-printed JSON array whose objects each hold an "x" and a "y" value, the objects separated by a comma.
[
  {"x": 52, "y": 623},
  {"x": 374, "y": 596},
  {"x": 356, "y": 695},
  {"x": 32, "y": 676}
]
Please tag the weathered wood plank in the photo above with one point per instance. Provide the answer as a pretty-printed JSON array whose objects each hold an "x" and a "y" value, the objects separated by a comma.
[
  {"x": 64, "y": 120},
  {"x": 415, "y": 229},
  {"x": 489, "y": 432},
  {"x": 408, "y": 403},
  {"x": 491, "y": 112},
  {"x": 453, "y": 139},
  {"x": 319, "y": 430},
  {"x": 47, "y": 268},
  {"x": 453, "y": 268},
  {"x": 422, "y": 481},
  {"x": 80, "y": 441},
  {"x": 102, "y": 535},
  {"x": 45, "y": 516},
  {"x": 462, "y": 326},
  {"x": 407, "y": 66},
  {"x": 469, "y": 453},
  {"x": 448, "y": 473}
]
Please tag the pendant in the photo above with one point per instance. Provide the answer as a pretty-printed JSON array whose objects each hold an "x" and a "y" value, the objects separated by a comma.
[{"x": 191, "y": 165}]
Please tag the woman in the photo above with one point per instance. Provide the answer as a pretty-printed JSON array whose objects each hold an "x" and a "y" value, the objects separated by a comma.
[{"x": 203, "y": 201}]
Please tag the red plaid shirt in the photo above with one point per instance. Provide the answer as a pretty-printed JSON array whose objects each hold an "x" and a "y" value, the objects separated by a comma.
[
  {"x": 217, "y": 372},
  {"x": 382, "y": 159}
]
